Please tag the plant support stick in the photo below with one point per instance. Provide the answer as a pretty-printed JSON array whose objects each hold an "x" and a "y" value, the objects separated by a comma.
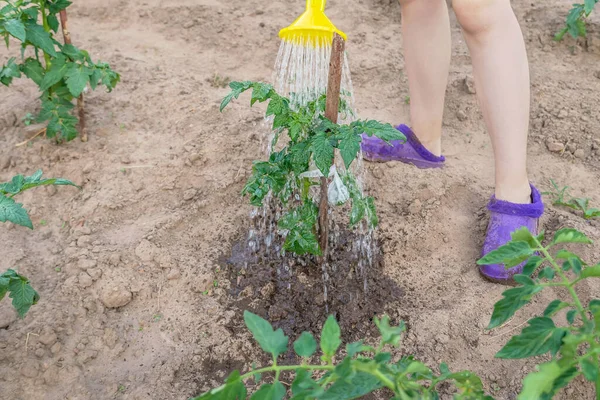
[
  {"x": 331, "y": 112},
  {"x": 64, "y": 23}
]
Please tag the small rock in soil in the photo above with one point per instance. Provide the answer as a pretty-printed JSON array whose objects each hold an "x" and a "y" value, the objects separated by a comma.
[
  {"x": 146, "y": 251},
  {"x": 85, "y": 280},
  {"x": 268, "y": 290},
  {"x": 47, "y": 337},
  {"x": 377, "y": 172},
  {"x": 469, "y": 85},
  {"x": 415, "y": 207},
  {"x": 86, "y": 263},
  {"x": 84, "y": 241},
  {"x": 30, "y": 369},
  {"x": 110, "y": 337},
  {"x": 55, "y": 348},
  {"x": 579, "y": 153},
  {"x": 461, "y": 115},
  {"x": 115, "y": 295},
  {"x": 94, "y": 273},
  {"x": 555, "y": 147},
  {"x": 174, "y": 274},
  {"x": 189, "y": 194},
  {"x": 39, "y": 353}
]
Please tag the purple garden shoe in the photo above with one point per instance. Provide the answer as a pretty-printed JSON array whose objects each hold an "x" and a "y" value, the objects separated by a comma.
[
  {"x": 409, "y": 152},
  {"x": 505, "y": 218}
]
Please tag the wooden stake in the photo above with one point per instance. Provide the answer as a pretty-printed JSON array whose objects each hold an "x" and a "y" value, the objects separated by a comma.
[
  {"x": 64, "y": 23},
  {"x": 332, "y": 103}
]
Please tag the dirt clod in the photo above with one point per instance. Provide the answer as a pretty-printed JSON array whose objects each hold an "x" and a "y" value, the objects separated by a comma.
[{"x": 115, "y": 295}]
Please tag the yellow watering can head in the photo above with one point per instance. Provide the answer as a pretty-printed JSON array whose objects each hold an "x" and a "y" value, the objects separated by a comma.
[{"x": 312, "y": 26}]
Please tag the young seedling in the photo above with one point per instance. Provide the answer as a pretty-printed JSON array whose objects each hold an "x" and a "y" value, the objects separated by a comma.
[
  {"x": 575, "y": 203},
  {"x": 575, "y": 348},
  {"x": 62, "y": 72},
  {"x": 312, "y": 143},
  {"x": 575, "y": 22},
  {"x": 363, "y": 370},
  {"x": 23, "y": 295}
]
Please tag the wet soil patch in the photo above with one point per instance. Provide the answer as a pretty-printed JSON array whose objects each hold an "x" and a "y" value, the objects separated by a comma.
[{"x": 290, "y": 291}]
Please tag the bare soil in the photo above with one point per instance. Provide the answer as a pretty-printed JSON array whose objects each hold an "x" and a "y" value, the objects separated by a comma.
[{"x": 141, "y": 295}]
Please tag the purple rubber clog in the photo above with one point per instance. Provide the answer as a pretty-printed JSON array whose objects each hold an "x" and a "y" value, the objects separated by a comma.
[
  {"x": 505, "y": 218},
  {"x": 410, "y": 152}
]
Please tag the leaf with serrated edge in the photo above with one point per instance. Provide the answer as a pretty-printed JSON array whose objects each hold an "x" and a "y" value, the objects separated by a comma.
[
  {"x": 569, "y": 235},
  {"x": 271, "y": 341},
  {"x": 14, "y": 212},
  {"x": 554, "y": 307},
  {"x": 510, "y": 254},
  {"x": 540, "y": 337},
  {"x": 513, "y": 300},
  {"x": 22, "y": 294},
  {"x": 275, "y": 391}
]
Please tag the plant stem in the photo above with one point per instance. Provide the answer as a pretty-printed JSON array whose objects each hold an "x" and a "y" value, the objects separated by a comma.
[
  {"x": 47, "y": 29},
  {"x": 566, "y": 281},
  {"x": 281, "y": 368}
]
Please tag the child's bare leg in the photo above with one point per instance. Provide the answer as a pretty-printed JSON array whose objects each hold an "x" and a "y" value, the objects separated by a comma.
[
  {"x": 501, "y": 75},
  {"x": 426, "y": 42}
]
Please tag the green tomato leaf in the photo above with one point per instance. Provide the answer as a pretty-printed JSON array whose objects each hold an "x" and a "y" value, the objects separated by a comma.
[
  {"x": 588, "y": 6},
  {"x": 261, "y": 92},
  {"x": 271, "y": 341},
  {"x": 322, "y": 150},
  {"x": 591, "y": 272},
  {"x": 33, "y": 70},
  {"x": 540, "y": 383},
  {"x": 37, "y": 36},
  {"x": 357, "y": 347},
  {"x": 53, "y": 22},
  {"x": 274, "y": 391},
  {"x": 302, "y": 240},
  {"x": 571, "y": 314},
  {"x": 569, "y": 235},
  {"x": 77, "y": 77},
  {"x": 554, "y": 307},
  {"x": 523, "y": 279},
  {"x": 8, "y": 72},
  {"x": 233, "y": 389},
  {"x": 513, "y": 300},
  {"x": 304, "y": 387},
  {"x": 14, "y": 212},
  {"x": 358, "y": 211},
  {"x": 16, "y": 28},
  {"x": 349, "y": 145},
  {"x": 57, "y": 71},
  {"x": 383, "y": 131},
  {"x": 390, "y": 334},
  {"x": 511, "y": 254},
  {"x": 532, "y": 265},
  {"x": 22, "y": 294},
  {"x": 540, "y": 337},
  {"x": 547, "y": 273},
  {"x": 305, "y": 345},
  {"x": 236, "y": 89},
  {"x": 523, "y": 235},
  {"x": 59, "y": 5},
  {"x": 330, "y": 337},
  {"x": 589, "y": 369},
  {"x": 357, "y": 386},
  {"x": 371, "y": 212}
]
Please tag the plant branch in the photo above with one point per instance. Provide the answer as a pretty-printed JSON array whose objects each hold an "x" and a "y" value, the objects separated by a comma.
[
  {"x": 47, "y": 29},
  {"x": 566, "y": 282}
]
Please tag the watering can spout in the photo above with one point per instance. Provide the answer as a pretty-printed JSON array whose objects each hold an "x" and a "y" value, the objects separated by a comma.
[
  {"x": 318, "y": 4},
  {"x": 312, "y": 26}
]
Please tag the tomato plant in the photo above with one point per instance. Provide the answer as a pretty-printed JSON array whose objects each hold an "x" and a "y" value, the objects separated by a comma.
[
  {"x": 575, "y": 22},
  {"x": 312, "y": 142},
  {"x": 363, "y": 369},
  {"x": 22, "y": 294},
  {"x": 61, "y": 71},
  {"x": 575, "y": 348}
]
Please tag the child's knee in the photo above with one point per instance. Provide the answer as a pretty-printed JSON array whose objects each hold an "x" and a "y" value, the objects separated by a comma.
[{"x": 476, "y": 16}]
